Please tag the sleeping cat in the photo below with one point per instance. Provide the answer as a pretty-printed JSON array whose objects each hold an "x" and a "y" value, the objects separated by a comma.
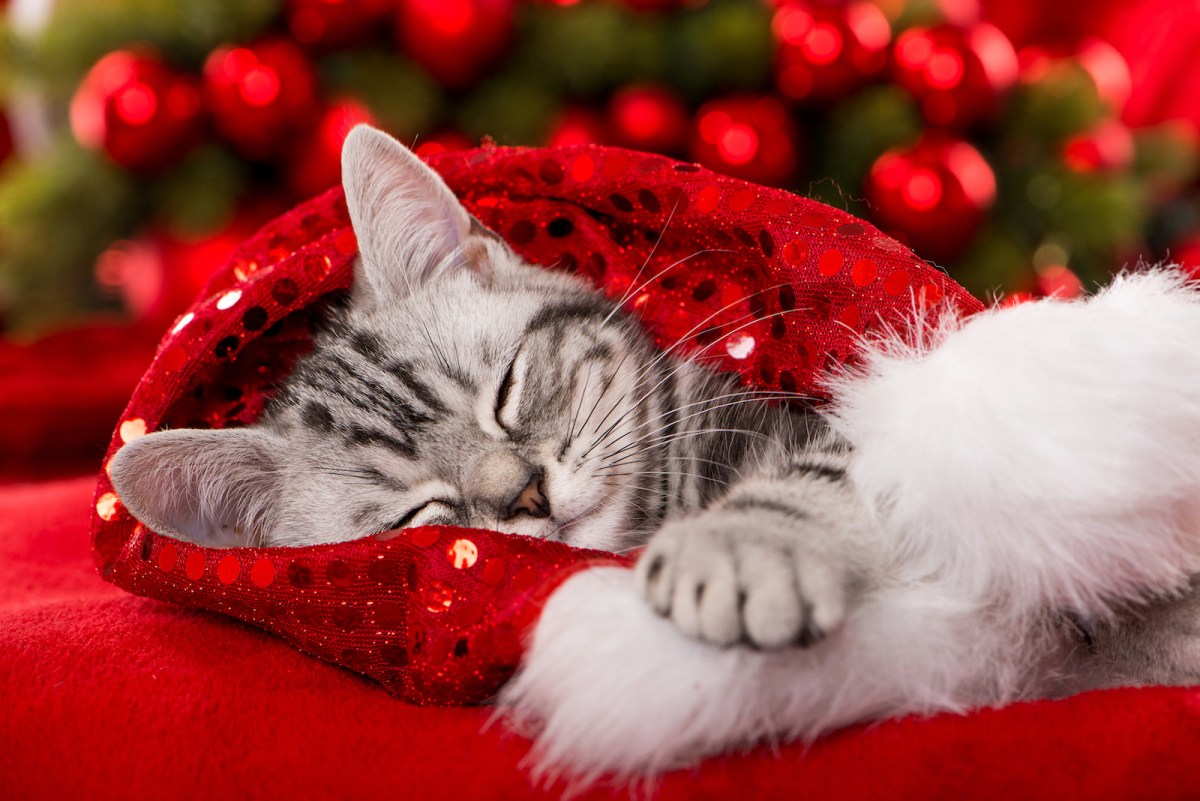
[{"x": 461, "y": 386}]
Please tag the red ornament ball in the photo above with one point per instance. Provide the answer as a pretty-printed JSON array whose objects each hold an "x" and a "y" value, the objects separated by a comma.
[
  {"x": 578, "y": 125},
  {"x": 751, "y": 137},
  {"x": 1186, "y": 253},
  {"x": 649, "y": 118},
  {"x": 260, "y": 95},
  {"x": 455, "y": 41},
  {"x": 827, "y": 50},
  {"x": 143, "y": 114},
  {"x": 959, "y": 74},
  {"x": 315, "y": 158},
  {"x": 1108, "y": 147},
  {"x": 932, "y": 195},
  {"x": 1100, "y": 61},
  {"x": 329, "y": 24},
  {"x": 158, "y": 274}
]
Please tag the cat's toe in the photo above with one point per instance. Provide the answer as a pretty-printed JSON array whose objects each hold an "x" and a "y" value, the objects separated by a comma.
[{"x": 773, "y": 612}]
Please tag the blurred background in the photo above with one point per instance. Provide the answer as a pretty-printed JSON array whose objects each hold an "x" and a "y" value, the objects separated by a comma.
[{"x": 1029, "y": 148}]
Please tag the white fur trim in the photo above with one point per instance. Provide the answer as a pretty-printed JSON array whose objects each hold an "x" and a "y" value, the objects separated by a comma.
[{"x": 1044, "y": 452}]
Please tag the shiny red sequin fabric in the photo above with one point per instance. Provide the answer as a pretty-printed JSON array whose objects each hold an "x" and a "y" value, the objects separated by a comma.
[{"x": 771, "y": 285}]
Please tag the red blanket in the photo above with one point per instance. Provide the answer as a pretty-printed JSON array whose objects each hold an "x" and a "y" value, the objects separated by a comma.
[{"x": 106, "y": 695}]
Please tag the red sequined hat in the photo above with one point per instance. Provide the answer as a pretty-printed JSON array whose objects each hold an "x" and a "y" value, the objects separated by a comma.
[{"x": 759, "y": 281}]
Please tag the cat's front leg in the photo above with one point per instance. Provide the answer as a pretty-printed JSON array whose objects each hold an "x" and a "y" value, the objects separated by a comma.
[{"x": 777, "y": 561}]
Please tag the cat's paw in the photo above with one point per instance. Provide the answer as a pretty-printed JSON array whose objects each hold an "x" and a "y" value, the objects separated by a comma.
[{"x": 722, "y": 579}]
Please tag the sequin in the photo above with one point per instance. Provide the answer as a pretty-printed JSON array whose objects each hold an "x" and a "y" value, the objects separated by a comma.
[
  {"x": 262, "y": 573},
  {"x": 244, "y": 268},
  {"x": 285, "y": 291},
  {"x": 168, "y": 555},
  {"x": 229, "y": 299},
  {"x": 463, "y": 553},
  {"x": 707, "y": 199},
  {"x": 582, "y": 168},
  {"x": 766, "y": 242},
  {"x": 228, "y": 569},
  {"x": 863, "y": 272},
  {"x": 183, "y": 323},
  {"x": 648, "y": 201},
  {"x": 254, "y": 318},
  {"x": 787, "y": 297},
  {"x": 704, "y": 290},
  {"x": 226, "y": 346},
  {"x": 551, "y": 171},
  {"x": 299, "y": 575},
  {"x": 424, "y": 537},
  {"x": 830, "y": 263},
  {"x": 346, "y": 242},
  {"x": 339, "y": 573},
  {"x": 850, "y": 316},
  {"x": 620, "y": 202},
  {"x": 438, "y": 596},
  {"x": 560, "y": 227},
  {"x": 929, "y": 294},
  {"x": 896, "y": 283},
  {"x": 795, "y": 253},
  {"x": 193, "y": 566},
  {"x": 493, "y": 571},
  {"x": 317, "y": 266},
  {"x": 739, "y": 346},
  {"x": 108, "y": 505},
  {"x": 850, "y": 229},
  {"x": 132, "y": 429},
  {"x": 787, "y": 381}
]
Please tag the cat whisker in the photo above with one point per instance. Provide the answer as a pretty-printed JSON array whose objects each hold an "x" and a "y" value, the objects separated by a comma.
[
  {"x": 672, "y": 372},
  {"x": 742, "y": 397}
]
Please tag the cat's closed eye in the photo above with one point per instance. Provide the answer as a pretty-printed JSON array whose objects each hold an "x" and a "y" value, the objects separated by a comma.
[
  {"x": 508, "y": 396},
  {"x": 431, "y": 512}
]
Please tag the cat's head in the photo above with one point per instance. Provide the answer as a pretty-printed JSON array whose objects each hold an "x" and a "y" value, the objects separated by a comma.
[{"x": 460, "y": 385}]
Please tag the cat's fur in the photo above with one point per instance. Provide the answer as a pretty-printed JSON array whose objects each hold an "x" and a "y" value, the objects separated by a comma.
[{"x": 460, "y": 385}]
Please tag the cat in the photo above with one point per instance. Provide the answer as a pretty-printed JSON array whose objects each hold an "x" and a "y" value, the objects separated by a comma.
[
  {"x": 460, "y": 385},
  {"x": 463, "y": 386}
]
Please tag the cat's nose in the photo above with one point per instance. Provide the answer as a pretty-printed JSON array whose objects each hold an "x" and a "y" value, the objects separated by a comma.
[{"x": 531, "y": 499}]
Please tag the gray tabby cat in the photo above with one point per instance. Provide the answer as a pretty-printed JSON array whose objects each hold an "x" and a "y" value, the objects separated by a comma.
[{"x": 462, "y": 386}]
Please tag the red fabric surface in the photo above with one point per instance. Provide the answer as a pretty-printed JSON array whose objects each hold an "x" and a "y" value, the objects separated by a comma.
[
  {"x": 762, "y": 282},
  {"x": 109, "y": 696}
]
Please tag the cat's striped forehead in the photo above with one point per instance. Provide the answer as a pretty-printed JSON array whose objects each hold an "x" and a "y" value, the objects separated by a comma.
[{"x": 391, "y": 375}]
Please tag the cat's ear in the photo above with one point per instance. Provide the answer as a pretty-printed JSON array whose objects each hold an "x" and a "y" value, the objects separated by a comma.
[
  {"x": 410, "y": 226},
  {"x": 216, "y": 488}
]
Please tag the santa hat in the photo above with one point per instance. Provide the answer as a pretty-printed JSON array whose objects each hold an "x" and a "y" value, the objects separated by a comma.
[{"x": 780, "y": 289}]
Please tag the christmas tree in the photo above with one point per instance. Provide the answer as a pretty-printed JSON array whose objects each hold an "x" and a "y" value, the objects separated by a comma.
[{"x": 153, "y": 135}]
